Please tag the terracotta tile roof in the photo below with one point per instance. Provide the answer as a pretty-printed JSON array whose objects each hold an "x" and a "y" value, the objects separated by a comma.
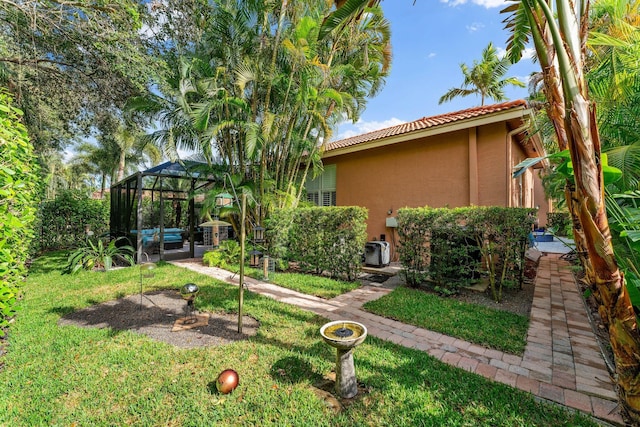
[{"x": 425, "y": 123}]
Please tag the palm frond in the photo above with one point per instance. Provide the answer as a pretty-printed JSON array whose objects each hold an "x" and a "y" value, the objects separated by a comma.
[
  {"x": 517, "y": 24},
  {"x": 627, "y": 159}
]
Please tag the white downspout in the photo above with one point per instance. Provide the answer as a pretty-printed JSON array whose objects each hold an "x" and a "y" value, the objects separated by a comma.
[{"x": 509, "y": 167}]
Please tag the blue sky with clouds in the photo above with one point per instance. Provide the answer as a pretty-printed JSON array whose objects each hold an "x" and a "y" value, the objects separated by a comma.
[{"x": 430, "y": 40}]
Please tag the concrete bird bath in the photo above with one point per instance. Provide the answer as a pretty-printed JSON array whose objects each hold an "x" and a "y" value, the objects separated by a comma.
[{"x": 344, "y": 335}]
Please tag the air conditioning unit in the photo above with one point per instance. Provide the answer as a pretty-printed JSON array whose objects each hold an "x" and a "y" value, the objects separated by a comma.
[{"x": 376, "y": 254}]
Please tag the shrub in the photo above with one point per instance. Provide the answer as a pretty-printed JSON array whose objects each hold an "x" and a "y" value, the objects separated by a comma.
[
  {"x": 560, "y": 222},
  {"x": 64, "y": 220},
  {"x": 321, "y": 239},
  {"x": 502, "y": 235},
  {"x": 227, "y": 254},
  {"x": 447, "y": 245},
  {"x": 18, "y": 199}
]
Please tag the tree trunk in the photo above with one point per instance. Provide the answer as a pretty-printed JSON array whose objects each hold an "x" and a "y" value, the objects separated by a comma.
[
  {"x": 578, "y": 235},
  {"x": 615, "y": 307},
  {"x": 121, "y": 163}
]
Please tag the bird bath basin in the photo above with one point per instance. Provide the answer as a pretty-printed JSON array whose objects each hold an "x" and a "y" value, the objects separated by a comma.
[{"x": 344, "y": 335}]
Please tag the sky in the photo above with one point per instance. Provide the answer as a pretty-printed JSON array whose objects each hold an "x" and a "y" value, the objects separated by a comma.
[{"x": 429, "y": 41}]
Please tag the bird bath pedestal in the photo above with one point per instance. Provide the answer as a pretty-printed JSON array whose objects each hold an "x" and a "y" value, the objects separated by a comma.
[
  {"x": 189, "y": 292},
  {"x": 344, "y": 335}
]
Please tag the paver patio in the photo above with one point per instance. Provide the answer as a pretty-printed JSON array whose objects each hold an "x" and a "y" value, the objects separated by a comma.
[{"x": 562, "y": 362}]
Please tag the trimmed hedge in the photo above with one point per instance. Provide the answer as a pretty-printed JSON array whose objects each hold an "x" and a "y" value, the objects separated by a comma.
[
  {"x": 450, "y": 247},
  {"x": 321, "y": 239},
  {"x": 18, "y": 200},
  {"x": 63, "y": 221}
]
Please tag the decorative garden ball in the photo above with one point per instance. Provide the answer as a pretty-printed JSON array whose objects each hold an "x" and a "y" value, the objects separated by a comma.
[{"x": 227, "y": 381}]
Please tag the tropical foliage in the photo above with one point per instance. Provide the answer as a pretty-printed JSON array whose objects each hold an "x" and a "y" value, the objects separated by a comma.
[
  {"x": 259, "y": 93},
  {"x": 558, "y": 31},
  {"x": 68, "y": 63},
  {"x": 225, "y": 256},
  {"x": 99, "y": 254},
  {"x": 18, "y": 200}
]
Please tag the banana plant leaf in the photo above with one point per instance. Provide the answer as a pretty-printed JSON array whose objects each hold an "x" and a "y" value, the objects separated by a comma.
[
  {"x": 634, "y": 292},
  {"x": 610, "y": 173}
]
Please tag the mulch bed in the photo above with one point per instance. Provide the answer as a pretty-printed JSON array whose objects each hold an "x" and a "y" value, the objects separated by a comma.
[
  {"x": 516, "y": 301},
  {"x": 154, "y": 314}
]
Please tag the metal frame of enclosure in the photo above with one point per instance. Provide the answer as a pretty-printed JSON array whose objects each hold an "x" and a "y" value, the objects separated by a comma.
[{"x": 126, "y": 199}]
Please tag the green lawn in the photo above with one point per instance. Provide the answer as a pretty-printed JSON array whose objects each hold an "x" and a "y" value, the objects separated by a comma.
[
  {"x": 322, "y": 287},
  {"x": 68, "y": 376},
  {"x": 486, "y": 326}
]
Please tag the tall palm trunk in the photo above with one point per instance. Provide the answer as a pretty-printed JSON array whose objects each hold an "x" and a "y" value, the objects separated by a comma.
[
  {"x": 608, "y": 281},
  {"x": 563, "y": 32},
  {"x": 121, "y": 164}
]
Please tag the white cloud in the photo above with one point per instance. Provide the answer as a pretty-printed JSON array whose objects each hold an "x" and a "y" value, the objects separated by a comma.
[
  {"x": 431, "y": 55},
  {"x": 528, "y": 53},
  {"x": 361, "y": 127},
  {"x": 475, "y": 27},
  {"x": 484, "y": 3},
  {"x": 524, "y": 79}
]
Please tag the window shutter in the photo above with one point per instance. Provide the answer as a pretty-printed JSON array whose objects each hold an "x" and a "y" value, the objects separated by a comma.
[
  {"x": 313, "y": 184},
  {"x": 329, "y": 178},
  {"x": 326, "y": 199},
  {"x": 313, "y": 197}
]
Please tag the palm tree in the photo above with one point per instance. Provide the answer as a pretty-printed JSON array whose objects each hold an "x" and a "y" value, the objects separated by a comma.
[
  {"x": 346, "y": 11},
  {"x": 261, "y": 98},
  {"x": 484, "y": 78},
  {"x": 614, "y": 83},
  {"x": 132, "y": 148},
  {"x": 100, "y": 158},
  {"x": 559, "y": 37}
]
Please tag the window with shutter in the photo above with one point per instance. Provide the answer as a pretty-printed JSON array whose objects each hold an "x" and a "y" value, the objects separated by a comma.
[
  {"x": 313, "y": 197},
  {"x": 322, "y": 189}
]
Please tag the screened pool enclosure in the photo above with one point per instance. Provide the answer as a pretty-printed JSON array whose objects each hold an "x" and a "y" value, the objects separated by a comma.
[{"x": 159, "y": 209}]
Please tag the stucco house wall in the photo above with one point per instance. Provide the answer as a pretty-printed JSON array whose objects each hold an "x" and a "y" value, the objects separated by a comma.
[{"x": 462, "y": 159}]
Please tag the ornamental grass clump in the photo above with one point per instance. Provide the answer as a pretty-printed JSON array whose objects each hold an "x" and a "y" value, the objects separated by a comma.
[{"x": 96, "y": 255}]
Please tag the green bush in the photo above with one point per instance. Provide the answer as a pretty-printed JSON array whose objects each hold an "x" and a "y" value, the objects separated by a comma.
[
  {"x": 321, "y": 239},
  {"x": 560, "y": 222},
  {"x": 503, "y": 237},
  {"x": 18, "y": 200},
  {"x": 227, "y": 255},
  {"x": 446, "y": 246},
  {"x": 64, "y": 220},
  {"x": 277, "y": 229}
]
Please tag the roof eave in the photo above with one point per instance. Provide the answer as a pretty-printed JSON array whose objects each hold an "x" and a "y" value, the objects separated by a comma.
[{"x": 499, "y": 116}]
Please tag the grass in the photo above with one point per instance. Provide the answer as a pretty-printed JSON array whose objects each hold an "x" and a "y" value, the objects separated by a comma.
[
  {"x": 489, "y": 327},
  {"x": 55, "y": 375},
  {"x": 322, "y": 287}
]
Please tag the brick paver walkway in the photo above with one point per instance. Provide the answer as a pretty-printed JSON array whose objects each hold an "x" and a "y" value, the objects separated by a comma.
[{"x": 561, "y": 363}]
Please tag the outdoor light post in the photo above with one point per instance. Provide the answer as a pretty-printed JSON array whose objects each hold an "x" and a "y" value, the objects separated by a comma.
[
  {"x": 258, "y": 234},
  {"x": 243, "y": 214},
  {"x": 254, "y": 258}
]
